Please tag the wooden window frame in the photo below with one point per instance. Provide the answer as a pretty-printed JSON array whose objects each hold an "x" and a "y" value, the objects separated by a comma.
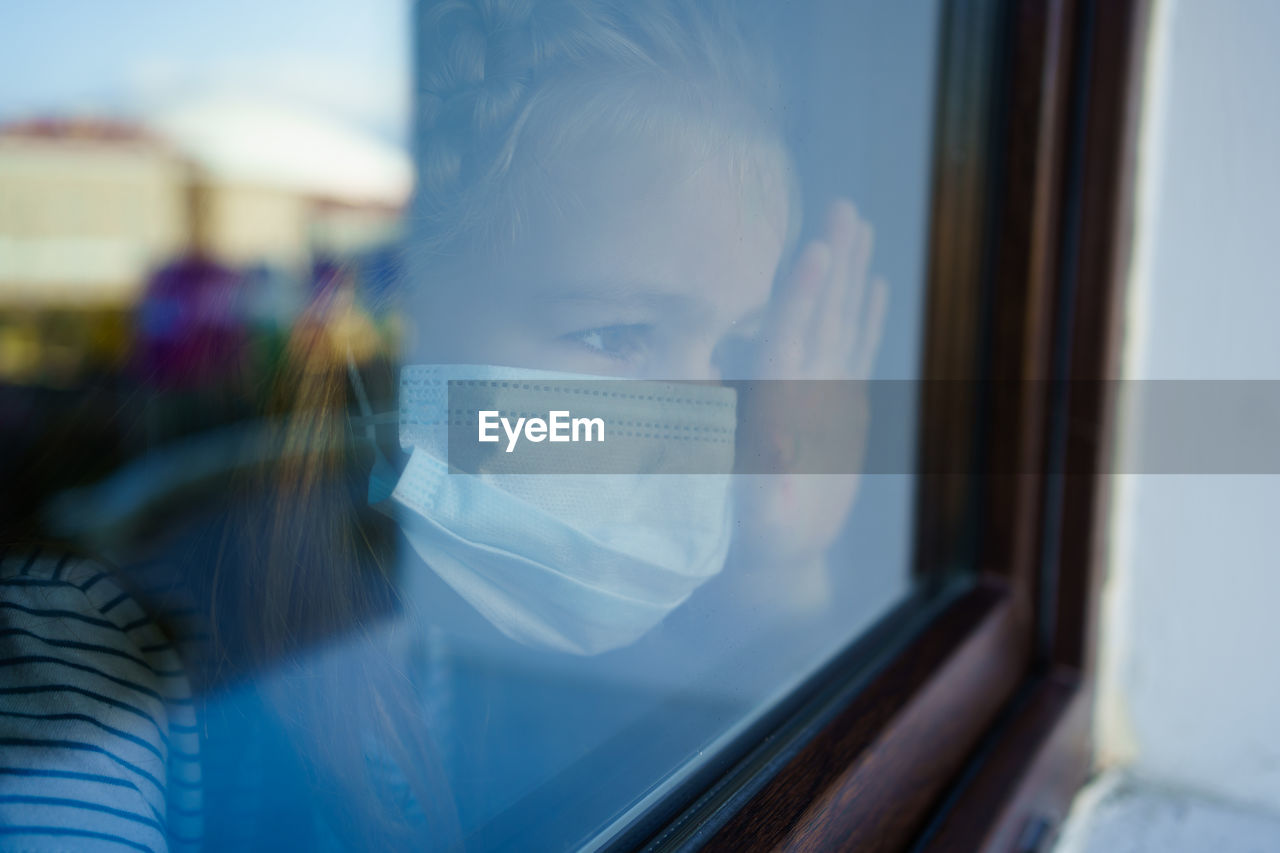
[{"x": 963, "y": 723}]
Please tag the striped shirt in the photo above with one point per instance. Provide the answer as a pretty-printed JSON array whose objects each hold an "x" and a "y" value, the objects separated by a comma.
[{"x": 99, "y": 746}]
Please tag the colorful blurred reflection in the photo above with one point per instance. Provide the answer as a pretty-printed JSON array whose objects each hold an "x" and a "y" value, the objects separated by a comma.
[{"x": 152, "y": 272}]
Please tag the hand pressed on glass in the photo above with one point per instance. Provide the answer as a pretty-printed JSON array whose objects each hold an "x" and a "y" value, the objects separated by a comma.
[
  {"x": 827, "y": 315},
  {"x": 825, "y": 323}
]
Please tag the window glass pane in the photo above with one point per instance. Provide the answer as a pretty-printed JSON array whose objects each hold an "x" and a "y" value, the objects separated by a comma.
[{"x": 290, "y": 585}]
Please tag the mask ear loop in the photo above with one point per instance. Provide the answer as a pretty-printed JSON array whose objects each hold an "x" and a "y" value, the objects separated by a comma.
[
  {"x": 366, "y": 418},
  {"x": 382, "y": 478}
]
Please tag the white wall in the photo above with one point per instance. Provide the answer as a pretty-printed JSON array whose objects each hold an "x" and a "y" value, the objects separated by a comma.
[{"x": 1190, "y": 667}]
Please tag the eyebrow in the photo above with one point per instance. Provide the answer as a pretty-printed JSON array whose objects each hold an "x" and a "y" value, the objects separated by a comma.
[
  {"x": 640, "y": 293},
  {"x": 752, "y": 320},
  {"x": 643, "y": 294}
]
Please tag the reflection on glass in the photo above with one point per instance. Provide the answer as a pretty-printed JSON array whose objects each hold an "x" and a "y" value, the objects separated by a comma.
[{"x": 247, "y": 601}]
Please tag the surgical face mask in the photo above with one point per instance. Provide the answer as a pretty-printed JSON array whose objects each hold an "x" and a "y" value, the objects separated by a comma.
[{"x": 579, "y": 563}]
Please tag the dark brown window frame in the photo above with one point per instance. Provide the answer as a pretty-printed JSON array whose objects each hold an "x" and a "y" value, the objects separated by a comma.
[{"x": 974, "y": 733}]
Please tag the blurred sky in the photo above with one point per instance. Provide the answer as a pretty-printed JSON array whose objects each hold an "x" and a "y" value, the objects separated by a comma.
[{"x": 131, "y": 57}]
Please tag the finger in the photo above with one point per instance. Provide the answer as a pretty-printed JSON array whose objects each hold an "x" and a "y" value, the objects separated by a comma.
[
  {"x": 872, "y": 329},
  {"x": 859, "y": 276},
  {"x": 790, "y": 321},
  {"x": 830, "y": 347}
]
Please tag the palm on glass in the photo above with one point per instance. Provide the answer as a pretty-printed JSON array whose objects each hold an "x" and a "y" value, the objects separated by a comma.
[{"x": 825, "y": 322}]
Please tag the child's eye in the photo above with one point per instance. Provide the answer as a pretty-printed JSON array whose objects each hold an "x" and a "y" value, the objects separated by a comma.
[{"x": 622, "y": 342}]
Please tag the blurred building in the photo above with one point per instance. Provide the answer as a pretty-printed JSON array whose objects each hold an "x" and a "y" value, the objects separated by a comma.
[
  {"x": 278, "y": 185},
  {"x": 87, "y": 209},
  {"x": 90, "y": 210}
]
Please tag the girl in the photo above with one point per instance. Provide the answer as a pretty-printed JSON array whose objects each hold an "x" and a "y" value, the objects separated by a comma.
[{"x": 603, "y": 191}]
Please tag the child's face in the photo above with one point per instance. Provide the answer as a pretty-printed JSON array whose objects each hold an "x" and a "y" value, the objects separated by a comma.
[{"x": 657, "y": 272}]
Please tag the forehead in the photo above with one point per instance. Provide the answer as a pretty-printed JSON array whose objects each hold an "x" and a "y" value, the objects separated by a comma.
[{"x": 708, "y": 225}]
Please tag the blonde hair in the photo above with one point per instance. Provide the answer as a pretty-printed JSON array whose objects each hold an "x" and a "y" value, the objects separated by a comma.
[{"x": 508, "y": 88}]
